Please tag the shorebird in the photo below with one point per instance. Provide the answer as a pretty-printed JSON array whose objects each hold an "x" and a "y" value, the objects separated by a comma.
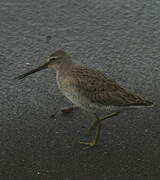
[{"x": 90, "y": 89}]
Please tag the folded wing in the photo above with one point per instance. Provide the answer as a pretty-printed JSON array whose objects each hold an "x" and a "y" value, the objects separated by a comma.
[{"x": 98, "y": 88}]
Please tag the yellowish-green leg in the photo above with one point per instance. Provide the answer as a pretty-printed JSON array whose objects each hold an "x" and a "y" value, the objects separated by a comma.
[
  {"x": 96, "y": 122},
  {"x": 95, "y": 140},
  {"x": 97, "y": 126}
]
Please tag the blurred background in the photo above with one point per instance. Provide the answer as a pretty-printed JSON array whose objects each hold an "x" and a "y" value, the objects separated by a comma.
[{"x": 119, "y": 37}]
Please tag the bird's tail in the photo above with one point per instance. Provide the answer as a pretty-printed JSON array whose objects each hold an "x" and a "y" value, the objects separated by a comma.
[
  {"x": 149, "y": 103},
  {"x": 156, "y": 105}
]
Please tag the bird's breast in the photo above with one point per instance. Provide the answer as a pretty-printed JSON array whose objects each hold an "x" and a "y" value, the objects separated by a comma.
[{"x": 62, "y": 81}]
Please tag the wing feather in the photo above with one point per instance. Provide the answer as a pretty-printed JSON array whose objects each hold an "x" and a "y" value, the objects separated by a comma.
[{"x": 99, "y": 88}]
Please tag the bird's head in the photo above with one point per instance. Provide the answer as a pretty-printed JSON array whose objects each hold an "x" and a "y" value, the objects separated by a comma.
[{"x": 55, "y": 61}]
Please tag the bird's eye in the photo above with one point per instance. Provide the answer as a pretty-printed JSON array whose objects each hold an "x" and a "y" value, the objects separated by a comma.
[{"x": 52, "y": 58}]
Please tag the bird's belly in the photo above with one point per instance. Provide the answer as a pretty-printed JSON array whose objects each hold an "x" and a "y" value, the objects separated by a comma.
[
  {"x": 84, "y": 102},
  {"x": 75, "y": 98}
]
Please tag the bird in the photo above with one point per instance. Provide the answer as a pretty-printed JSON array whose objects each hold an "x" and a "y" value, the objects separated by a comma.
[{"x": 91, "y": 90}]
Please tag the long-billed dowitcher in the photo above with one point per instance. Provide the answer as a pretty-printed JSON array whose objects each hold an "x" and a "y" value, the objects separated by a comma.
[{"x": 90, "y": 90}]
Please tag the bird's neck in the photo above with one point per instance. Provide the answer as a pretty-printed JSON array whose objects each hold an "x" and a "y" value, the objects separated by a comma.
[{"x": 65, "y": 67}]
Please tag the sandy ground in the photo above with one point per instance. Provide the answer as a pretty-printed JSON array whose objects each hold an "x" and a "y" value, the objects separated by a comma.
[{"x": 120, "y": 37}]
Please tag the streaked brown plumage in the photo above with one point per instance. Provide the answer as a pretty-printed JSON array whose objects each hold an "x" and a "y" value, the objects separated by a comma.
[
  {"x": 89, "y": 88},
  {"x": 98, "y": 88}
]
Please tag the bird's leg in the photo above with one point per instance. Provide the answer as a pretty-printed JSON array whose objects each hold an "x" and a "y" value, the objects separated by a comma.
[
  {"x": 97, "y": 125},
  {"x": 98, "y": 130},
  {"x": 96, "y": 122},
  {"x": 69, "y": 109},
  {"x": 65, "y": 110}
]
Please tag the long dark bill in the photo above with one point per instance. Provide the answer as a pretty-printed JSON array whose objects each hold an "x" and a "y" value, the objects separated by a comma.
[{"x": 44, "y": 66}]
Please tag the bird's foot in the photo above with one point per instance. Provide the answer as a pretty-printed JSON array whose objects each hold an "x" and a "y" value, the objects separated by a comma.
[
  {"x": 89, "y": 144},
  {"x": 53, "y": 115},
  {"x": 95, "y": 141}
]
